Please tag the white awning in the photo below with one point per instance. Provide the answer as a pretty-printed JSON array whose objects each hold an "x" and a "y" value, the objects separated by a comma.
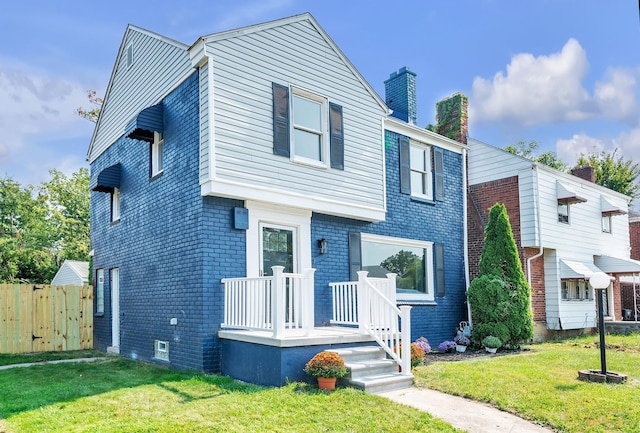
[
  {"x": 615, "y": 265},
  {"x": 565, "y": 194},
  {"x": 574, "y": 270},
  {"x": 609, "y": 208}
]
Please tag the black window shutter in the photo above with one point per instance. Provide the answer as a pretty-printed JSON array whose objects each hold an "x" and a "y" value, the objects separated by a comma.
[
  {"x": 337, "y": 136},
  {"x": 280, "y": 119},
  {"x": 405, "y": 165},
  {"x": 355, "y": 256},
  {"x": 438, "y": 261},
  {"x": 438, "y": 173}
]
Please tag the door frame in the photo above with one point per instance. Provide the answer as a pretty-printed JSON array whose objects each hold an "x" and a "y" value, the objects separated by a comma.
[
  {"x": 114, "y": 279},
  {"x": 294, "y": 241},
  {"x": 271, "y": 215}
]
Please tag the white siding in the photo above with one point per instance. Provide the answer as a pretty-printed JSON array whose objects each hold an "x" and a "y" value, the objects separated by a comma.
[
  {"x": 583, "y": 234},
  {"x": 71, "y": 273},
  {"x": 158, "y": 65},
  {"x": 488, "y": 163},
  {"x": 204, "y": 122},
  {"x": 243, "y": 69},
  {"x": 528, "y": 191}
]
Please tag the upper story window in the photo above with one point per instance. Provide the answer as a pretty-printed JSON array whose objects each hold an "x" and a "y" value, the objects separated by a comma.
[
  {"x": 606, "y": 223},
  {"x": 563, "y": 212},
  {"x": 307, "y": 127},
  {"x": 115, "y": 205},
  {"x": 421, "y": 170},
  {"x": 156, "y": 156},
  {"x": 421, "y": 177}
]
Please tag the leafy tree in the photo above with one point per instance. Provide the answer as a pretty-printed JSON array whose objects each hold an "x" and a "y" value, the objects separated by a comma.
[
  {"x": 530, "y": 151},
  {"x": 41, "y": 227},
  {"x": 409, "y": 268},
  {"x": 613, "y": 172},
  {"x": 499, "y": 297},
  {"x": 92, "y": 113}
]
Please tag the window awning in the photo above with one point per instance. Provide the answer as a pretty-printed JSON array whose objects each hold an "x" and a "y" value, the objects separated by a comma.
[
  {"x": 609, "y": 208},
  {"x": 566, "y": 195},
  {"x": 146, "y": 122},
  {"x": 108, "y": 179},
  {"x": 616, "y": 265},
  {"x": 574, "y": 270}
]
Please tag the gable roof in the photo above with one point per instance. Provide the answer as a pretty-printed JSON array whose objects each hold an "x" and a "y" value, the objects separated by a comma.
[
  {"x": 72, "y": 267},
  {"x": 198, "y": 47},
  {"x": 130, "y": 28}
]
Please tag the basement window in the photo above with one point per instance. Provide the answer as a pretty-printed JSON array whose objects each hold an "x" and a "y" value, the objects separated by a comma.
[{"x": 161, "y": 351}]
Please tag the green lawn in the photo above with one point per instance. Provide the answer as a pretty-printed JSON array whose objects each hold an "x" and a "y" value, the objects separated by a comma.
[
  {"x": 541, "y": 384},
  {"x": 119, "y": 395}
]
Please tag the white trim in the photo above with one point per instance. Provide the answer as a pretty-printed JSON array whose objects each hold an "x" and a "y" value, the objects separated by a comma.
[
  {"x": 237, "y": 190},
  {"x": 114, "y": 275},
  {"x": 424, "y": 135},
  {"x": 429, "y": 277},
  {"x": 263, "y": 213},
  {"x": 384, "y": 166},
  {"x": 211, "y": 127},
  {"x": 294, "y": 242},
  {"x": 157, "y": 162}
]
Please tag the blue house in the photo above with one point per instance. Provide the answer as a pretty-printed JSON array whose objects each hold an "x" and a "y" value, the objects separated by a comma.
[{"x": 254, "y": 202}]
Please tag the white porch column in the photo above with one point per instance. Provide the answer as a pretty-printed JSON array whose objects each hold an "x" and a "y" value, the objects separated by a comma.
[
  {"x": 277, "y": 302},
  {"x": 405, "y": 336},
  {"x": 308, "y": 301},
  {"x": 364, "y": 321}
]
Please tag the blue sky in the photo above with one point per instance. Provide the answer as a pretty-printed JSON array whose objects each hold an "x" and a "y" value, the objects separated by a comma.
[{"x": 562, "y": 72}]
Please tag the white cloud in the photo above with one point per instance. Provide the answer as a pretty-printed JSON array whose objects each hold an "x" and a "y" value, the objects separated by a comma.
[
  {"x": 548, "y": 89},
  {"x": 35, "y": 111},
  {"x": 535, "y": 90},
  {"x": 615, "y": 95},
  {"x": 627, "y": 144}
]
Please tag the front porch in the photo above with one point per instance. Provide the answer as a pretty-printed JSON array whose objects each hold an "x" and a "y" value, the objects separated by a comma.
[{"x": 268, "y": 333}]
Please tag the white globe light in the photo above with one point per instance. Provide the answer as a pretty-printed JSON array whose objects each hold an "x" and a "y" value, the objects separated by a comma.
[{"x": 599, "y": 280}]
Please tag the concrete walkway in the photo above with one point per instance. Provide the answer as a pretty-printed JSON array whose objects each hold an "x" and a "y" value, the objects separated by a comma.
[
  {"x": 462, "y": 413},
  {"x": 58, "y": 361}
]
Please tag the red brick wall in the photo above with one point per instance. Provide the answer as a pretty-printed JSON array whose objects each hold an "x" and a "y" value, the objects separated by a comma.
[
  {"x": 480, "y": 199},
  {"x": 538, "y": 301},
  {"x": 617, "y": 300}
]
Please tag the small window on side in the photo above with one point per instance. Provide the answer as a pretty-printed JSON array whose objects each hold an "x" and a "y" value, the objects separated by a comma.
[
  {"x": 129, "y": 55},
  {"x": 115, "y": 205},
  {"x": 606, "y": 223},
  {"x": 99, "y": 291},
  {"x": 156, "y": 157},
  {"x": 563, "y": 212}
]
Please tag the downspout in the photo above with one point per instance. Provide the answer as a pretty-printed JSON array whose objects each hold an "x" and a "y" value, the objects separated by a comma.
[
  {"x": 536, "y": 194},
  {"x": 465, "y": 231}
]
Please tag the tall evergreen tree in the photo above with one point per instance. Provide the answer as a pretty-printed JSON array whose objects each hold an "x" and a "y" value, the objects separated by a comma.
[{"x": 500, "y": 296}]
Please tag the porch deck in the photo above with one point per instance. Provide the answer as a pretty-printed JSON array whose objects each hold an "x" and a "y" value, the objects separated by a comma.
[{"x": 324, "y": 335}]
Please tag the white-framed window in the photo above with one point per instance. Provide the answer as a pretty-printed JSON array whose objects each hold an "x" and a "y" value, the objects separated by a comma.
[
  {"x": 563, "y": 212},
  {"x": 129, "y": 55},
  {"x": 606, "y": 223},
  {"x": 411, "y": 261},
  {"x": 309, "y": 126},
  {"x": 156, "y": 154},
  {"x": 99, "y": 291},
  {"x": 115, "y": 205},
  {"x": 576, "y": 290},
  {"x": 421, "y": 177}
]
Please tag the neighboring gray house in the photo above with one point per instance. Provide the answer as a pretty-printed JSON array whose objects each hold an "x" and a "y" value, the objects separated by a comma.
[{"x": 72, "y": 273}]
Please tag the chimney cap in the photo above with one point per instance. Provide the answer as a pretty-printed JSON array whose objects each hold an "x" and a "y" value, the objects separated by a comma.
[{"x": 403, "y": 70}]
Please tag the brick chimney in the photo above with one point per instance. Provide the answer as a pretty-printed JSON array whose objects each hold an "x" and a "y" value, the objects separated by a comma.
[
  {"x": 586, "y": 173},
  {"x": 452, "y": 117},
  {"x": 400, "y": 95}
]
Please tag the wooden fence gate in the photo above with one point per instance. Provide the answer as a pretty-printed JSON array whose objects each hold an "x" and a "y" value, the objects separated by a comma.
[{"x": 39, "y": 318}]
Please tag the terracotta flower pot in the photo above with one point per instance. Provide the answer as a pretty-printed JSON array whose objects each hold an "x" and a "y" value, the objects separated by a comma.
[{"x": 326, "y": 383}]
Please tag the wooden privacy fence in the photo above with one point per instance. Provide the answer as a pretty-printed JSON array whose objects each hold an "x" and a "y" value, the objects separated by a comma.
[{"x": 39, "y": 318}]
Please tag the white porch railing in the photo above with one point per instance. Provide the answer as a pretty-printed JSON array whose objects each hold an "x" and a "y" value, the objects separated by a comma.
[
  {"x": 370, "y": 303},
  {"x": 275, "y": 303}
]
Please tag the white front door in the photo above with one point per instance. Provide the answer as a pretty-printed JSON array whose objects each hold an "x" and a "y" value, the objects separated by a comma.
[
  {"x": 115, "y": 311},
  {"x": 278, "y": 248}
]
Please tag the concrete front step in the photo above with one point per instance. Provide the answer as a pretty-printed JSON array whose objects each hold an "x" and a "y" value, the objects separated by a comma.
[{"x": 371, "y": 371}]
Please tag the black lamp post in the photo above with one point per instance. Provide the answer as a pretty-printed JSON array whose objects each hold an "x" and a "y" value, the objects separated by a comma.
[{"x": 600, "y": 281}]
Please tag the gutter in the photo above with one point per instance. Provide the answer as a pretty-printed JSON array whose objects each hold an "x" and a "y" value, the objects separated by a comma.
[
  {"x": 465, "y": 230},
  {"x": 536, "y": 194}
]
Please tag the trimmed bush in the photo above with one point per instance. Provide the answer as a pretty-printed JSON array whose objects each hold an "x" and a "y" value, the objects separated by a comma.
[{"x": 499, "y": 297}]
